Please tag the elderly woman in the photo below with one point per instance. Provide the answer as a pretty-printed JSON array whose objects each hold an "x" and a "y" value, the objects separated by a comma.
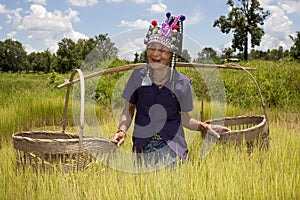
[{"x": 160, "y": 97}]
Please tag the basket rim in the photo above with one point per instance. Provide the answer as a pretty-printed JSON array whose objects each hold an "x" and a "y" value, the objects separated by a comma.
[
  {"x": 16, "y": 136},
  {"x": 259, "y": 125}
]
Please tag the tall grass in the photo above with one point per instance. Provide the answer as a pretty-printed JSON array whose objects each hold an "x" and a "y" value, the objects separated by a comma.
[
  {"x": 27, "y": 101},
  {"x": 227, "y": 172}
]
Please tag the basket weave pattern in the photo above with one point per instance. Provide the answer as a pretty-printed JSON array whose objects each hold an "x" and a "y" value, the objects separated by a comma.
[
  {"x": 243, "y": 128},
  {"x": 45, "y": 150}
]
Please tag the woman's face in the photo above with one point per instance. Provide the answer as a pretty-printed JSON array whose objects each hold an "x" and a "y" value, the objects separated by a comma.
[{"x": 159, "y": 57}]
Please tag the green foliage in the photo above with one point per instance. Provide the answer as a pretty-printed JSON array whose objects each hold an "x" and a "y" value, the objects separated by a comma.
[
  {"x": 227, "y": 172},
  {"x": 245, "y": 17},
  {"x": 107, "y": 85},
  {"x": 40, "y": 62},
  {"x": 274, "y": 54},
  {"x": 185, "y": 56},
  {"x": 295, "y": 49},
  {"x": 12, "y": 56},
  {"x": 277, "y": 81},
  {"x": 207, "y": 55}
]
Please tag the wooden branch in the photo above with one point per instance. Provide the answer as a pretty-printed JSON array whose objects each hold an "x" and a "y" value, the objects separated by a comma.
[{"x": 141, "y": 65}]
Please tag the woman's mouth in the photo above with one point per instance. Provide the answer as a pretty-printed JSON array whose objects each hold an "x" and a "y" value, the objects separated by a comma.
[{"x": 155, "y": 61}]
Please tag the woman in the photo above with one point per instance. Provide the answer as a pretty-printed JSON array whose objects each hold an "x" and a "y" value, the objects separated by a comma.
[{"x": 162, "y": 98}]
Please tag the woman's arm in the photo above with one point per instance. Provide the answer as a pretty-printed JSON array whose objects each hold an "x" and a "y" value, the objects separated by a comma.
[
  {"x": 193, "y": 124},
  {"x": 125, "y": 122}
]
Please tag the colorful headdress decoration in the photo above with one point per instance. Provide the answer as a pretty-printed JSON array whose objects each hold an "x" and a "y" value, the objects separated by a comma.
[{"x": 169, "y": 33}]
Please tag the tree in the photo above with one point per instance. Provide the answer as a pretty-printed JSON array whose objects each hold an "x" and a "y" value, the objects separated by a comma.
[
  {"x": 245, "y": 17},
  {"x": 66, "y": 56},
  {"x": 41, "y": 61},
  {"x": 13, "y": 57},
  {"x": 295, "y": 48},
  {"x": 185, "y": 56},
  {"x": 207, "y": 55},
  {"x": 227, "y": 53},
  {"x": 106, "y": 48},
  {"x": 143, "y": 57},
  {"x": 84, "y": 47},
  {"x": 136, "y": 57}
]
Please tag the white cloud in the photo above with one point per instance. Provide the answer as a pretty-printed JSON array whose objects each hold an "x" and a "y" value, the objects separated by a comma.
[
  {"x": 290, "y": 6},
  {"x": 195, "y": 18},
  {"x": 29, "y": 48},
  {"x": 11, "y": 35},
  {"x": 128, "y": 50},
  {"x": 83, "y": 3},
  {"x": 50, "y": 27},
  {"x": 2, "y": 9},
  {"x": 143, "y": 1},
  {"x": 1, "y": 28},
  {"x": 13, "y": 16},
  {"x": 277, "y": 28},
  {"x": 114, "y": 1},
  {"x": 265, "y": 3},
  {"x": 158, "y": 8},
  {"x": 42, "y": 2},
  {"x": 136, "y": 24}
]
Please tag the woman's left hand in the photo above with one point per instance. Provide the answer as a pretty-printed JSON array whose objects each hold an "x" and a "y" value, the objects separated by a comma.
[{"x": 214, "y": 130}]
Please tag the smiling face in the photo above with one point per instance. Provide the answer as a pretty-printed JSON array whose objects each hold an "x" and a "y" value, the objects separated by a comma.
[{"x": 159, "y": 56}]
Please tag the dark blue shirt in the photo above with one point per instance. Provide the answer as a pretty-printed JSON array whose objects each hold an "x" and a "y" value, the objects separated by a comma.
[{"x": 158, "y": 110}]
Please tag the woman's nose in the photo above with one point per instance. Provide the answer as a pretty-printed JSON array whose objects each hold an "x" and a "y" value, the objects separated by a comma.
[{"x": 156, "y": 52}]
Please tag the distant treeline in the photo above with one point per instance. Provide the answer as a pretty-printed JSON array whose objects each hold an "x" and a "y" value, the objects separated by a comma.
[{"x": 71, "y": 55}]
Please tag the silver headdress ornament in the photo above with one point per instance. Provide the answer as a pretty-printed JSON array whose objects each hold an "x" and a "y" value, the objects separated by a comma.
[{"x": 169, "y": 34}]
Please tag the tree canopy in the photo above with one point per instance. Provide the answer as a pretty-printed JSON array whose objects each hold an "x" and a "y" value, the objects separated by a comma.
[
  {"x": 295, "y": 49},
  {"x": 12, "y": 56},
  {"x": 93, "y": 52},
  {"x": 245, "y": 17}
]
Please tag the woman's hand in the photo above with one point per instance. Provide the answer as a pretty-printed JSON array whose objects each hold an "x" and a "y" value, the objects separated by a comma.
[
  {"x": 118, "y": 138},
  {"x": 214, "y": 130}
]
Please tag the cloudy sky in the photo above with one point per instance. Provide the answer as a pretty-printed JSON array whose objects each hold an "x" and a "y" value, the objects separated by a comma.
[{"x": 41, "y": 24}]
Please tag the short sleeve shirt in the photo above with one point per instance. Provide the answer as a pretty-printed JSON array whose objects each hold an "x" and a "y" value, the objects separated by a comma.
[{"x": 158, "y": 110}]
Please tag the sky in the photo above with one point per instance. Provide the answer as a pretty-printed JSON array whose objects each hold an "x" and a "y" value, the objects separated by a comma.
[{"x": 40, "y": 24}]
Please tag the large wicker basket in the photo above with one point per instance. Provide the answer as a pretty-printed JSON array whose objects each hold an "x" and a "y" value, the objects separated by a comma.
[
  {"x": 45, "y": 150},
  {"x": 243, "y": 128}
]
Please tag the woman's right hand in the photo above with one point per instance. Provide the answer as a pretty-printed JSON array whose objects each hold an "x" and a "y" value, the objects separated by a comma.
[{"x": 118, "y": 138}]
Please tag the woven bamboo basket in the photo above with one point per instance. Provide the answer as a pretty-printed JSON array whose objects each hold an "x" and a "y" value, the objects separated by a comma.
[
  {"x": 243, "y": 128},
  {"x": 44, "y": 150}
]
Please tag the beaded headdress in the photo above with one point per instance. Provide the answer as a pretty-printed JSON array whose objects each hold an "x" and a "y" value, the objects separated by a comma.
[{"x": 169, "y": 33}]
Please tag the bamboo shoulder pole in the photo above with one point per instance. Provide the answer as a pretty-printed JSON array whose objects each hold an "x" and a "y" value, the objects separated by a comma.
[{"x": 141, "y": 65}]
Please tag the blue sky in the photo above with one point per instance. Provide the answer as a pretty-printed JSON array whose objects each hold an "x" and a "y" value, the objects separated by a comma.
[{"x": 41, "y": 24}]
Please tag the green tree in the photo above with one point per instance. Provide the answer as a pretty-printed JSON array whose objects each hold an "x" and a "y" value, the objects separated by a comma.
[
  {"x": 67, "y": 56},
  {"x": 41, "y": 61},
  {"x": 295, "y": 48},
  {"x": 136, "y": 57},
  {"x": 280, "y": 53},
  {"x": 84, "y": 47},
  {"x": 143, "y": 57},
  {"x": 105, "y": 47},
  {"x": 245, "y": 17},
  {"x": 207, "y": 55},
  {"x": 227, "y": 53},
  {"x": 185, "y": 56},
  {"x": 99, "y": 51},
  {"x": 13, "y": 56}
]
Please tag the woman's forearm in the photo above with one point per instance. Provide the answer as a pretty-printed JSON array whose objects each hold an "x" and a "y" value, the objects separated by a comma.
[
  {"x": 192, "y": 124},
  {"x": 126, "y": 116}
]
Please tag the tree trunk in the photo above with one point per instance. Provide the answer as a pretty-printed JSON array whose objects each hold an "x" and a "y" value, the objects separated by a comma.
[{"x": 246, "y": 49}]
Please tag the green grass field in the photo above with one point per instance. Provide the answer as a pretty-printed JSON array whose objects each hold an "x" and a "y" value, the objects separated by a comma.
[{"x": 28, "y": 102}]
